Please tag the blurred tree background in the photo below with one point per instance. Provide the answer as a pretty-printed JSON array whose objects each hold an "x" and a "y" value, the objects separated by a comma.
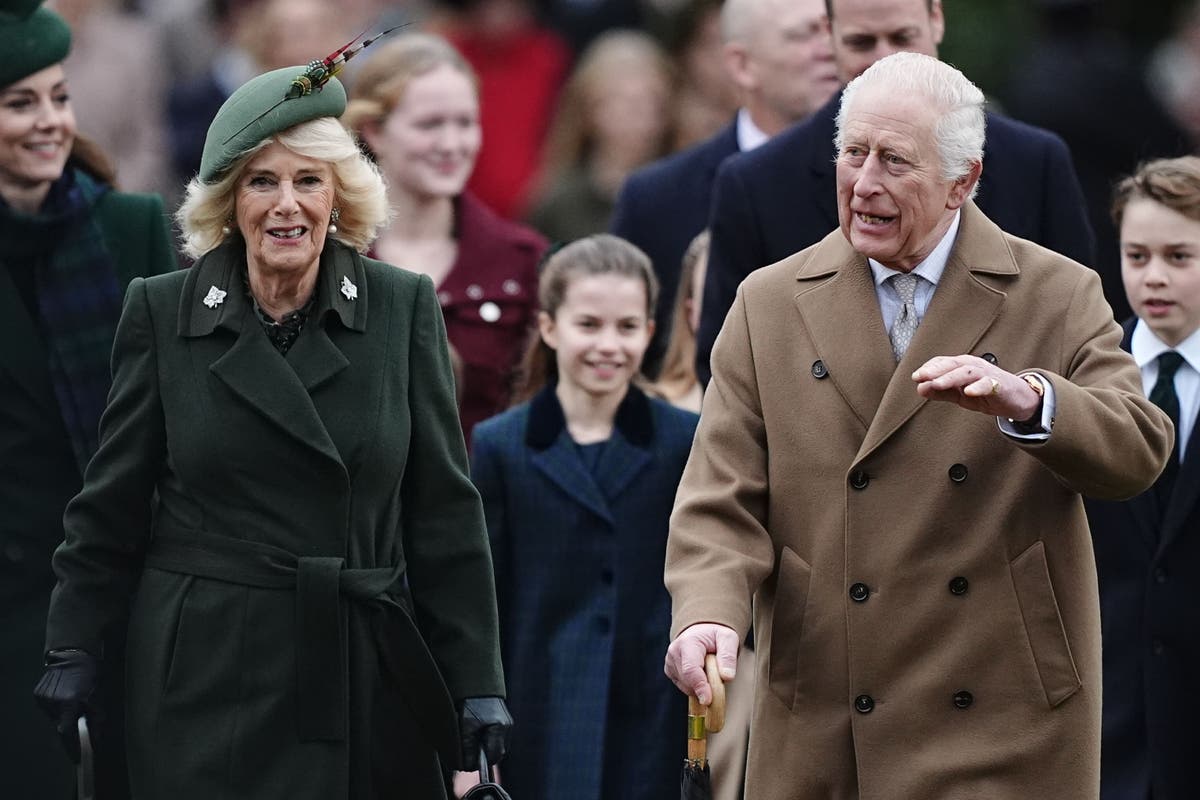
[{"x": 985, "y": 37}]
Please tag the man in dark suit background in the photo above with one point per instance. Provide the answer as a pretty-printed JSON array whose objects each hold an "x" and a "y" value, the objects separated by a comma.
[
  {"x": 1148, "y": 548},
  {"x": 778, "y": 54},
  {"x": 781, "y": 198}
]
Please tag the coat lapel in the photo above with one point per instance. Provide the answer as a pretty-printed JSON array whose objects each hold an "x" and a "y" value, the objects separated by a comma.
[
  {"x": 275, "y": 387},
  {"x": 628, "y": 451},
  {"x": 831, "y": 308},
  {"x": 1186, "y": 493},
  {"x": 556, "y": 455}
]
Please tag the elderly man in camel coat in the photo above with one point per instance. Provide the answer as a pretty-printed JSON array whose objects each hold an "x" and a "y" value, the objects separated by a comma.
[{"x": 892, "y": 470}]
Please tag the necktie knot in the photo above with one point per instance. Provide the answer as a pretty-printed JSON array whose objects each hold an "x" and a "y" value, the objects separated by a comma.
[
  {"x": 905, "y": 286},
  {"x": 1168, "y": 364},
  {"x": 905, "y": 324}
]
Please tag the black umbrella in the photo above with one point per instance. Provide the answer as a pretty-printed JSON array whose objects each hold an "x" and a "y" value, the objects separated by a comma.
[{"x": 695, "y": 783}]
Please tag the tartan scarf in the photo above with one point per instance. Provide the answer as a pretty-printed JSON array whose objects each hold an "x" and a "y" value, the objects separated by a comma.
[{"x": 78, "y": 299}]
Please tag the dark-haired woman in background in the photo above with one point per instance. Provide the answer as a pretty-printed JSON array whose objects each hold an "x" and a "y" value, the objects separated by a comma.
[{"x": 69, "y": 244}]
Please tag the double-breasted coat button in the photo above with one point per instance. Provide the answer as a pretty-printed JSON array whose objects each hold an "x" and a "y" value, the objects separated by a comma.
[
  {"x": 819, "y": 370},
  {"x": 859, "y": 592},
  {"x": 958, "y": 585},
  {"x": 989, "y": 357},
  {"x": 958, "y": 473},
  {"x": 963, "y": 699},
  {"x": 859, "y": 479},
  {"x": 864, "y": 704}
]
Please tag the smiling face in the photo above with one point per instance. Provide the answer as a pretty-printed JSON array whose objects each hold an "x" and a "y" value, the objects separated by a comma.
[
  {"x": 599, "y": 333},
  {"x": 1160, "y": 265},
  {"x": 283, "y": 202},
  {"x": 428, "y": 144},
  {"x": 37, "y": 130},
  {"x": 865, "y": 31},
  {"x": 893, "y": 204}
]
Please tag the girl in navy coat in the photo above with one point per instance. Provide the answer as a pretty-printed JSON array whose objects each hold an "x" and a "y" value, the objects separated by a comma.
[{"x": 578, "y": 484}]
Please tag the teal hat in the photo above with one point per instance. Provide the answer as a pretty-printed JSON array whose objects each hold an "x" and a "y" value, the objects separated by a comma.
[
  {"x": 31, "y": 39},
  {"x": 263, "y": 107}
]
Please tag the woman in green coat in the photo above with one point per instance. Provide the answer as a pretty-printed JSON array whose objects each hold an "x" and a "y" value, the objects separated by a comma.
[
  {"x": 69, "y": 244},
  {"x": 280, "y": 497}
]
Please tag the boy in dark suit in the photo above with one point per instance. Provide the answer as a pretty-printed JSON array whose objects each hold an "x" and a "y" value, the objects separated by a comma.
[{"x": 1148, "y": 548}]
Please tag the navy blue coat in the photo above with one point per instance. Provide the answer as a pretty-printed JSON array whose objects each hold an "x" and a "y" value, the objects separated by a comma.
[
  {"x": 1148, "y": 560},
  {"x": 782, "y": 197},
  {"x": 661, "y": 208},
  {"x": 584, "y": 616}
]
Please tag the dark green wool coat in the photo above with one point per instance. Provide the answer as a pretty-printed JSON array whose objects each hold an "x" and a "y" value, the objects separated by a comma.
[
  {"x": 38, "y": 476},
  {"x": 313, "y": 582}
]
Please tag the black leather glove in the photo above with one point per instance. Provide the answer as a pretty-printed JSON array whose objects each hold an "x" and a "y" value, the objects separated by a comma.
[
  {"x": 65, "y": 693},
  {"x": 483, "y": 722}
]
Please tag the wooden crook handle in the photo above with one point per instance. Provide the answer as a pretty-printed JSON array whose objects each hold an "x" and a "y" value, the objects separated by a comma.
[{"x": 715, "y": 717}]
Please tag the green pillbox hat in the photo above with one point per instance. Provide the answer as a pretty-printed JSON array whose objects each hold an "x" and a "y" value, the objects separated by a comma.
[
  {"x": 30, "y": 42},
  {"x": 258, "y": 110}
]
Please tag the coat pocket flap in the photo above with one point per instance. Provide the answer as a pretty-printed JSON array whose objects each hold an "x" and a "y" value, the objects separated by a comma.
[
  {"x": 1043, "y": 624},
  {"x": 787, "y": 621}
]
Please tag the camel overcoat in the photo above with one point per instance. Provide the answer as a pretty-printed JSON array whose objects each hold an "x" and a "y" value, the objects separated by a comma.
[
  {"x": 313, "y": 578},
  {"x": 925, "y": 602}
]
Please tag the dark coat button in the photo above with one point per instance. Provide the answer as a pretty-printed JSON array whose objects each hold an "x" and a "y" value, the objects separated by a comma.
[
  {"x": 859, "y": 479},
  {"x": 1157, "y": 647},
  {"x": 603, "y": 625},
  {"x": 818, "y": 370},
  {"x": 864, "y": 704},
  {"x": 606, "y": 576},
  {"x": 963, "y": 699},
  {"x": 989, "y": 357},
  {"x": 958, "y": 473},
  {"x": 859, "y": 592},
  {"x": 1160, "y": 575},
  {"x": 958, "y": 585}
]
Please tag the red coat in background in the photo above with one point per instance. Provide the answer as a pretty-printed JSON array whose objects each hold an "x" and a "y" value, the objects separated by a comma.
[
  {"x": 489, "y": 300},
  {"x": 519, "y": 78}
]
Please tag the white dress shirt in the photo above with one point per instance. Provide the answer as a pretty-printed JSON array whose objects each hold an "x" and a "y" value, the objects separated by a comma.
[
  {"x": 1146, "y": 348},
  {"x": 749, "y": 135}
]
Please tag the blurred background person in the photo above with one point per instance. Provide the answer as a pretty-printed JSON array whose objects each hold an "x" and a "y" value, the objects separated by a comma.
[
  {"x": 1148, "y": 548},
  {"x": 677, "y": 382},
  {"x": 521, "y": 65},
  {"x": 705, "y": 95},
  {"x": 777, "y": 53},
  {"x": 415, "y": 106},
  {"x": 613, "y": 117},
  {"x": 1100, "y": 104},
  {"x": 118, "y": 89},
  {"x": 69, "y": 244},
  {"x": 577, "y": 485},
  {"x": 1175, "y": 72},
  {"x": 253, "y": 42}
]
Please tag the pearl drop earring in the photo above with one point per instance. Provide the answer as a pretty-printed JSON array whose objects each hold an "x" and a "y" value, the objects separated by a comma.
[{"x": 334, "y": 216}]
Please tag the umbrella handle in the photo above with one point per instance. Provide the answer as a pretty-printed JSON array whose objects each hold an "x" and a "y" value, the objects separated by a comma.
[{"x": 703, "y": 720}]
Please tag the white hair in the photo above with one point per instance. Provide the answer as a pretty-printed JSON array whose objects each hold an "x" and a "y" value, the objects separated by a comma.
[
  {"x": 741, "y": 19},
  {"x": 959, "y": 131}
]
